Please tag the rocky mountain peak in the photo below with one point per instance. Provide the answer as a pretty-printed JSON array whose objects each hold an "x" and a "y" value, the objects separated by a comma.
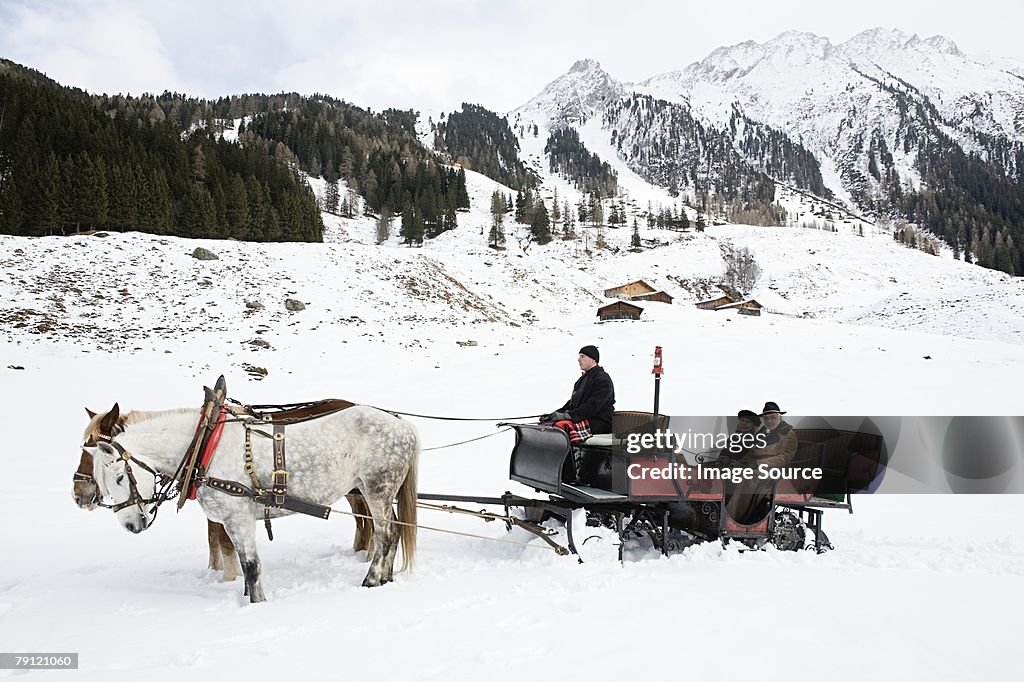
[
  {"x": 575, "y": 95},
  {"x": 944, "y": 45}
]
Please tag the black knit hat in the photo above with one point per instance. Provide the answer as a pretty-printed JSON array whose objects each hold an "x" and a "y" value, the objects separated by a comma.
[
  {"x": 750, "y": 416},
  {"x": 770, "y": 408},
  {"x": 591, "y": 352}
]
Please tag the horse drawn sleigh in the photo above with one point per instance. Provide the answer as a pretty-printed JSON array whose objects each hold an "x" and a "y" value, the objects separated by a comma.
[{"x": 337, "y": 449}]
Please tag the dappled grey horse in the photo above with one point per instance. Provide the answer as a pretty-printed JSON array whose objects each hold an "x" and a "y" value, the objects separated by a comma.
[{"x": 358, "y": 448}]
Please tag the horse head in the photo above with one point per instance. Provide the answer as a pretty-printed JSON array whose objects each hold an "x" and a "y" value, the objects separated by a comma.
[
  {"x": 84, "y": 490},
  {"x": 130, "y": 488}
]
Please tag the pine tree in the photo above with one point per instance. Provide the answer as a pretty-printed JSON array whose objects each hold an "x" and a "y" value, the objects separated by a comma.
[
  {"x": 198, "y": 214},
  {"x": 597, "y": 209},
  {"x": 496, "y": 236},
  {"x": 384, "y": 226},
  {"x": 636, "y": 235},
  {"x": 237, "y": 209},
  {"x": 331, "y": 196},
  {"x": 583, "y": 210},
  {"x": 540, "y": 228},
  {"x": 461, "y": 193},
  {"x": 412, "y": 226}
]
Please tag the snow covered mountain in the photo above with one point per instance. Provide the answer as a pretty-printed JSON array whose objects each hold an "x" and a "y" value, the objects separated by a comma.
[
  {"x": 872, "y": 94},
  {"x": 878, "y": 113},
  {"x": 585, "y": 89}
]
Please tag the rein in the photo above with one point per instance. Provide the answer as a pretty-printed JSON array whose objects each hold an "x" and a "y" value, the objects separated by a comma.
[{"x": 455, "y": 419}]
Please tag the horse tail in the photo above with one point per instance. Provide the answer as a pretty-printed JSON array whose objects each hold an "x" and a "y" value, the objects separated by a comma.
[{"x": 407, "y": 510}]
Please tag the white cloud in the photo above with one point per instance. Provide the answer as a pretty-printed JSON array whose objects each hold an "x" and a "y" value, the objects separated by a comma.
[
  {"x": 433, "y": 54},
  {"x": 98, "y": 47}
]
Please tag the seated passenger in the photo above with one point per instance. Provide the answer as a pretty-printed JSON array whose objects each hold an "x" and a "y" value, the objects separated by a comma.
[
  {"x": 750, "y": 501},
  {"x": 748, "y": 422}
]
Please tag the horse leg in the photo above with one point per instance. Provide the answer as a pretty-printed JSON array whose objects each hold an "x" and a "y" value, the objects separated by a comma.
[
  {"x": 213, "y": 539},
  {"x": 364, "y": 526},
  {"x": 228, "y": 555},
  {"x": 241, "y": 529},
  {"x": 385, "y": 541}
]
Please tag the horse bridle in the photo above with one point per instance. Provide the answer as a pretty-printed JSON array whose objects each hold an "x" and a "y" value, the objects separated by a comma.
[
  {"x": 82, "y": 477},
  {"x": 134, "y": 497}
]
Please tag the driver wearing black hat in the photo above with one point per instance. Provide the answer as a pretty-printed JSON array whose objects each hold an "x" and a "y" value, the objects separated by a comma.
[{"x": 589, "y": 409}]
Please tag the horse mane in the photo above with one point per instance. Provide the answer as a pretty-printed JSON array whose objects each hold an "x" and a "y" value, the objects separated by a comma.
[{"x": 133, "y": 417}]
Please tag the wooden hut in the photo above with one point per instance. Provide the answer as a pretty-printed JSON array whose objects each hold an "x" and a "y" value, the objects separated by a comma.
[
  {"x": 619, "y": 310},
  {"x": 716, "y": 303},
  {"x": 750, "y": 307},
  {"x": 657, "y": 296},
  {"x": 628, "y": 291},
  {"x": 729, "y": 296}
]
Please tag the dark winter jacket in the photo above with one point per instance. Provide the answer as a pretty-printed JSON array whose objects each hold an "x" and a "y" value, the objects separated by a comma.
[{"x": 593, "y": 398}]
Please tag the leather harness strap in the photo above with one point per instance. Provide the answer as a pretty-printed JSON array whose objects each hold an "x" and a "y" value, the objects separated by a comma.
[
  {"x": 279, "y": 482},
  {"x": 290, "y": 503},
  {"x": 291, "y": 414}
]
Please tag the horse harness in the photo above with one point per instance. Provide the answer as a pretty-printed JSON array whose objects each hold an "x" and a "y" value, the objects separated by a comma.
[
  {"x": 191, "y": 472},
  {"x": 278, "y": 417}
]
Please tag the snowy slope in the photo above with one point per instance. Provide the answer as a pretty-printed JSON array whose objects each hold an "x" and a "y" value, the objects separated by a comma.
[
  {"x": 88, "y": 320},
  {"x": 478, "y": 610}
]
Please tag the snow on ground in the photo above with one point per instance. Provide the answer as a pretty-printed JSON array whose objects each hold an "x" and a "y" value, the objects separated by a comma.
[
  {"x": 933, "y": 583},
  {"x": 921, "y": 568}
]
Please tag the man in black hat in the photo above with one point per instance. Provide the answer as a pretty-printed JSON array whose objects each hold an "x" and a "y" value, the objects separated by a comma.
[
  {"x": 780, "y": 438},
  {"x": 751, "y": 500},
  {"x": 589, "y": 409}
]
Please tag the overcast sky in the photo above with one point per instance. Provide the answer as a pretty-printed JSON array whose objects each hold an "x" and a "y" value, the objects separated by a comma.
[{"x": 431, "y": 55}]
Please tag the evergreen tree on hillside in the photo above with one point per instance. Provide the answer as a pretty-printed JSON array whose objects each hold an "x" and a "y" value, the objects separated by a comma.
[
  {"x": 461, "y": 193},
  {"x": 482, "y": 141},
  {"x": 569, "y": 158},
  {"x": 331, "y": 196},
  {"x": 596, "y": 209},
  {"x": 540, "y": 227},
  {"x": 496, "y": 235},
  {"x": 569, "y": 226},
  {"x": 69, "y": 162},
  {"x": 412, "y": 226},
  {"x": 384, "y": 226}
]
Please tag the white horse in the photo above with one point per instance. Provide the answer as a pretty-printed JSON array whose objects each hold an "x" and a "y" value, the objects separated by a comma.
[
  {"x": 360, "y": 447},
  {"x": 222, "y": 553}
]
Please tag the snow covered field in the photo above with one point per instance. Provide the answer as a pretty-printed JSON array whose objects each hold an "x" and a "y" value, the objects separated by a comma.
[{"x": 919, "y": 587}]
